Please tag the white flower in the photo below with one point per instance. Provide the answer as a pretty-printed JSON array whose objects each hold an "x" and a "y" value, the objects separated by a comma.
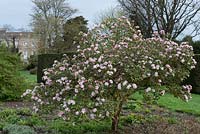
[
  {"x": 96, "y": 87},
  {"x": 167, "y": 66},
  {"x": 103, "y": 100},
  {"x": 67, "y": 109},
  {"x": 183, "y": 60},
  {"x": 93, "y": 94},
  {"x": 148, "y": 74},
  {"x": 153, "y": 66},
  {"x": 148, "y": 89},
  {"x": 124, "y": 83},
  {"x": 71, "y": 102},
  {"x": 119, "y": 86},
  {"x": 83, "y": 110},
  {"x": 150, "y": 62},
  {"x": 111, "y": 81},
  {"x": 186, "y": 98},
  {"x": 106, "y": 84},
  {"x": 76, "y": 90},
  {"x": 92, "y": 116},
  {"x": 134, "y": 86},
  {"x": 110, "y": 73},
  {"x": 60, "y": 114},
  {"x": 46, "y": 73},
  {"x": 162, "y": 92},
  {"x": 94, "y": 110},
  {"x": 157, "y": 67},
  {"x": 77, "y": 113},
  {"x": 44, "y": 77},
  {"x": 129, "y": 86},
  {"x": 107, "y": 113},
  {"x": 156, "y": 74}
]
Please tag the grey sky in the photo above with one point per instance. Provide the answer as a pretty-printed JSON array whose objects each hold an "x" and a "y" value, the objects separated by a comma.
[{"x": 16, "y": 12}]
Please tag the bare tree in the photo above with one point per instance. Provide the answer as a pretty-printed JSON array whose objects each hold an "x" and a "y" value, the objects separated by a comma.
[
  {"x": 112, "y": 12},
  {"x": 172, "y": 16},
  {"x": 48, "y": 18}
]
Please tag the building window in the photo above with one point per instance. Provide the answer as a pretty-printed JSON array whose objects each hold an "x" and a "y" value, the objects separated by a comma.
[
  {"x": 25, "y": 55},
  {"x": 25, "y": 43}
]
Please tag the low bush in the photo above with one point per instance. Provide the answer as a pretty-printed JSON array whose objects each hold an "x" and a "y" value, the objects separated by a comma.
[{"x": 17, "y": 129}]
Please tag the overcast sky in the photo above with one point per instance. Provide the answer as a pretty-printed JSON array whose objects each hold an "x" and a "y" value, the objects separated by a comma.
[{"x": 17, "y": 12}]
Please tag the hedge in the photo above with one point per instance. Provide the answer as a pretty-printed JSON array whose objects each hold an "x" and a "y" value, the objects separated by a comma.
[
  {"x": 46, "y": 61},
  {"x": 196, "y": 47},
  {"x": 194, "y": 78}
]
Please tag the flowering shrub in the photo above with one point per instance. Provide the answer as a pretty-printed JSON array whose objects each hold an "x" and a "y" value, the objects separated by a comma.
[{"x": 112, "y": 63}]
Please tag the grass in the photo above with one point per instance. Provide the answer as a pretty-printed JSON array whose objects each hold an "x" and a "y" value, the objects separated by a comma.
[
  {"x": 30, "y": 78},
  {"x": 176, "y": 104}
]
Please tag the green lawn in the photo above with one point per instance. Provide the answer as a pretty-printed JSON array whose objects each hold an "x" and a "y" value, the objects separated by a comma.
[
  {"x": 176, "y": 104},
  {"x": 30, "y": 78},
  {"x": 193, "y": 106}
]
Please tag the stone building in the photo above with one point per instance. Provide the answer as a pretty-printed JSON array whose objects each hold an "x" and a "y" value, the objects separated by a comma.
[{"x": 21, "y": 42}]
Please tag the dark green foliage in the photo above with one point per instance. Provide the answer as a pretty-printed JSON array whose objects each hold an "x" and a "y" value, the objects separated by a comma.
[
  {"x": 188, "y": 39},
  {"x": 18, "y": 129},
  {"x": 15, "y": 119},
  {"x": 195, "y": 44},
  {"x": 12, "y": 85},
  {"x": 194, "y": 78},
  {"x": 196, "y": 47},
  {"x": 32, "y": 62},
  {"x": 46, "y": 61},
  {"x": 71, "y": 28}
]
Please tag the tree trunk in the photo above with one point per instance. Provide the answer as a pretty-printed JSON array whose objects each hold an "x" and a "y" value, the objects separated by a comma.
[
  {"x": 115, "y": 122},
  {"x": 115, "y": 119}
]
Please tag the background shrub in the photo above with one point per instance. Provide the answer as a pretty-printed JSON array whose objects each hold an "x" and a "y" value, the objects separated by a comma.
[
  {"x": 33, "y": 71},
  {"x": 194, "y": 78},
  {"x": 196, "y": 47},
  {"x": 32, "y": 62},
  {"x": 12, "y": 85},
  {"x": 46, "y": 61},
  {"x": 195, "y": 73}
]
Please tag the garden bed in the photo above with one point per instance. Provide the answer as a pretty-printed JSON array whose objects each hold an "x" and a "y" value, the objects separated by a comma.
[{"x": 143, "y": 119}]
